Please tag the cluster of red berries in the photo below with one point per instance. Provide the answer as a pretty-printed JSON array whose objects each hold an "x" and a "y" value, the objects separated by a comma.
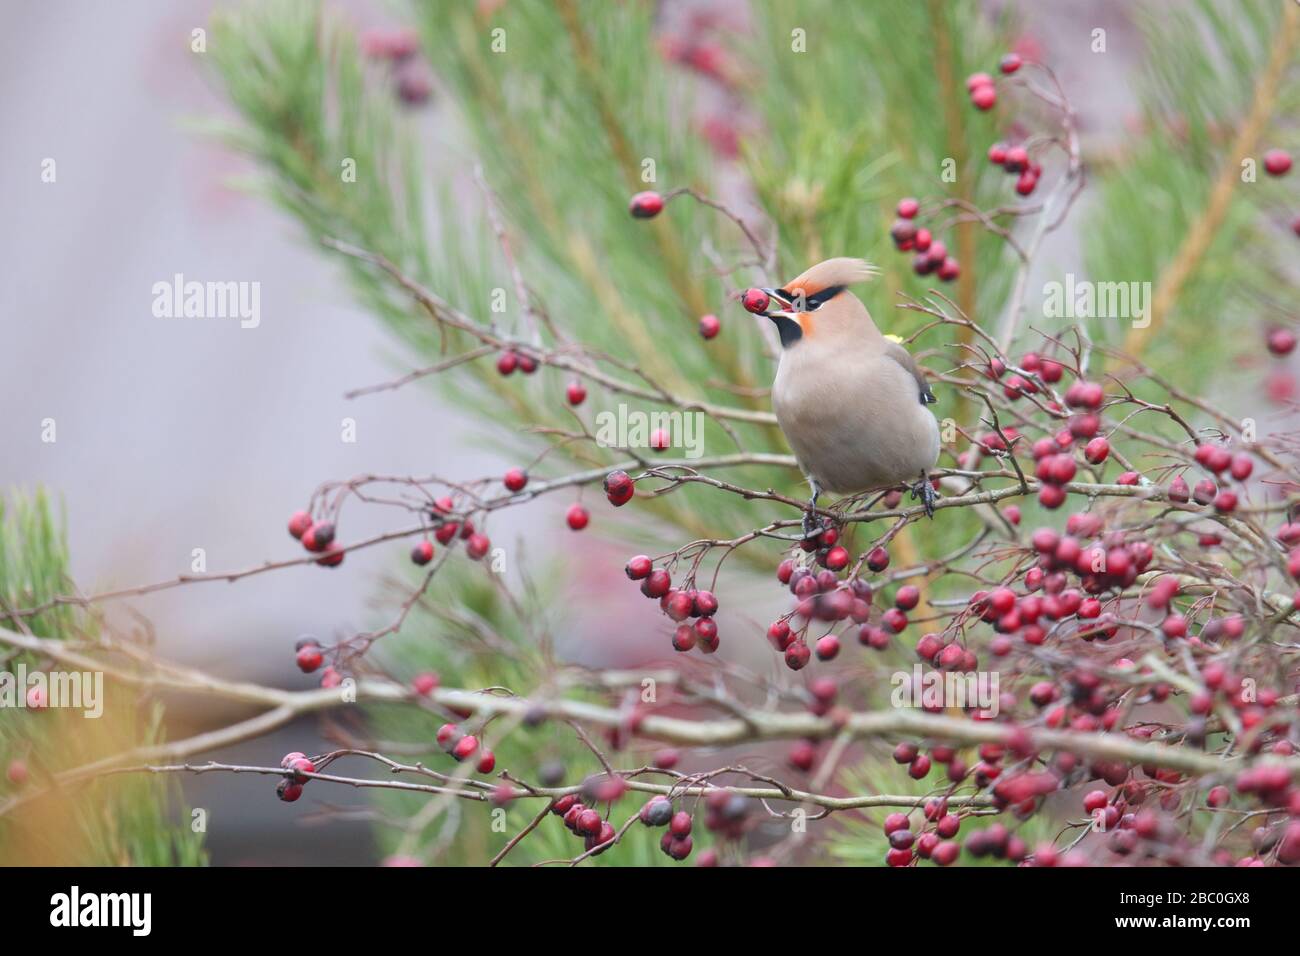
[
  {"x": 980, "y": 86},
  {"x": 462, "y": 746},
  {"x": 676, "y": 842},
  {"x": 597, "y": 833},
  {"x": 290, "y": 788},
  {"x": 680, "y": 604},
  {"x": 931, "y": 253},
  {"x": 1015, "y": 160},
  {"x": 822, "y": 596},
  {"x": 317, "y": 537},
  {"x": 509, "y": 361},
  {"x": 477, "y": 545}
]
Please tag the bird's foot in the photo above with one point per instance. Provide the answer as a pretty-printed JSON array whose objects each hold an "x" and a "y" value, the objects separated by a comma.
[
  {"x": 925, "y": 491},
  {"x": 812, "y": 527}
]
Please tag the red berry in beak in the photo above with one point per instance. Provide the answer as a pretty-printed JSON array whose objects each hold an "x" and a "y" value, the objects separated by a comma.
[
  {"x": 646, "y": 205},
  {"x": 755, "y": 300}
]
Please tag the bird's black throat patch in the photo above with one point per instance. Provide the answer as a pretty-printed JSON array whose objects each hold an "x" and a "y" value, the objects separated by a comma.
[{"x": 789, "y": 330}]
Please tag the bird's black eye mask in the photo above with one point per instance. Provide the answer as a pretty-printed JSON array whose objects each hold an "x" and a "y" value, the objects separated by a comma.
[{"x": 810, "y": 303}]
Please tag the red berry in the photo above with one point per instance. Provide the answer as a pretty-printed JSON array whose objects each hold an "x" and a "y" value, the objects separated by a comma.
[
  {"x": 1026, "y": 183},
  {"x": 949, "y": 269},
  {"x": 487, "y": 761},
  {"x": 309, "y": 658},
  {"x": 16, "y": 773},
  {"x": 1241, "y": 467},
  {"x": 998, "y": 154},
  {"x": 837, "y": 558},
  {"x": 639, "y": 567},
  {"x": 425, "y": 684},
  {"x": 710, "y": 326},
  {"x": 507, "y": 362},
  {"x": 656, "y": 583},
  {"x": 1178, "y": 490},
  {"x": 1281, "y": 341},
  {"x": 680, "y": 825},
  {"x": 465, "y": 747},
  {"x": 333, "y": 557},
  {"x": 1010, "y": 63},
  {"x": 477, "y": 546},
  {"x": 976, "y": 80},
  {"x": 1277, "y": 162},
  {"x": 299, "y": 523},
  {"x": 983, "y": 97},
  {"x": 646, "y": 205},
  {"x": 755, "y": 300},
  {"x": 908, "y": 208},
  {"x": 908, "y": 596},
  {"x": 527, "y": 364},
  {"x": 288, "y": 791},
  {"x": 877, "y": 559},
  {"x": 619, "y": 488},
  {"x": 1017, "y": 159},
  {"x": 577, "y": 517},
  {"x": 515, "y": 479},
  {"x": 828, "y": 647},
  {"x": 422, "y": 553},
  {"x": 318, "y": 537},
  {"x": 1097, "y": 450},
  {"x": 575, "y": 392},
  {"x": 797, "y": 655}
]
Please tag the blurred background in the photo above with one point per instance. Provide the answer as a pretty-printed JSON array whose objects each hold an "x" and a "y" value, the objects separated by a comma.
[{"x": 176, "y": 434}]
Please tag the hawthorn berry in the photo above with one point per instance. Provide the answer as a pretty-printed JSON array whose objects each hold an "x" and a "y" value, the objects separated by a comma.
[
  {"x": 465, "y": 747},
  {"x": 755, "y": 300},
  {"x": 318, "y": 537},
  {"x": 908, "y": 208},
  {"x": 575, "y": 392},
  {"x": 1277, "y": 162},
  {"x": 507, "y": 362},
  {"x": 983, "y": 97},
  {"x": 646, "y": 205},
  {"x": 656, "y": 583},
  {"x": 477, "y": 546},
  {"x": 422, "y": 553},
  {"x": 828, "y": 647},
  {"x": 299, "y": 522},
  {"x": 333, "y": 557},
  {"x": 577, "y": 517},
  {"x": 619, "y": 488},
  {"x": 425, "y": 683},
  {"x": 288, "y": 791},
  {"x": 639, "y": 567},
  {"x": 1097, "y": 450},
  {"x": 16, "y": 772},
  {"x": 1281, "y": 341},
  {"x": 515, "y": 479},
  {"x": 797, "y": 655},
  {"x": 709, "y": 326},
  {"x": 877, "y": 559},
  {"x": 657, "y": 812},
  {"x": 487, "y": 761},
  {"x": 309, "y": 658},
  {"x": 1010, "y": 63}
]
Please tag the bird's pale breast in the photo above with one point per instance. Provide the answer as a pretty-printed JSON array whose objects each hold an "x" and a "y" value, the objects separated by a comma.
[{"x": 854, "y": 420}]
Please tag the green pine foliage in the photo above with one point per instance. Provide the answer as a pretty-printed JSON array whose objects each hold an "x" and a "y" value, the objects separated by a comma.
[{"x": 127, "y": 820}]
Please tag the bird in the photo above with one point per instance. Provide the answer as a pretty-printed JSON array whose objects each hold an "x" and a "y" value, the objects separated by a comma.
[{"x": 851, "y": 401}]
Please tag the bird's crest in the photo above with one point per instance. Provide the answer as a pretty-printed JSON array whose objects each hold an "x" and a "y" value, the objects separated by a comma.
[{"x": 831, "y": 274}]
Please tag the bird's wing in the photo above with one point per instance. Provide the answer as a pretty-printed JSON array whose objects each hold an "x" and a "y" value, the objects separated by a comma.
[{"x": 904, "y": 358}]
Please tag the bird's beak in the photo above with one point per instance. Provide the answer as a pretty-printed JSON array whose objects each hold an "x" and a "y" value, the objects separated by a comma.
[{"x": 777, "y": 296}]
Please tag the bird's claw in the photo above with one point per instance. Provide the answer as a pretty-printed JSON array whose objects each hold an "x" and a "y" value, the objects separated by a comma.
[
  {"x": 925, "y": 491},
  {"x": 811, "y": 526}
]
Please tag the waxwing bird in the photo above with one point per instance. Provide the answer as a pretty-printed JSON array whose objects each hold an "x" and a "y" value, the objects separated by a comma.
[{"x": 851, "y": 402}]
